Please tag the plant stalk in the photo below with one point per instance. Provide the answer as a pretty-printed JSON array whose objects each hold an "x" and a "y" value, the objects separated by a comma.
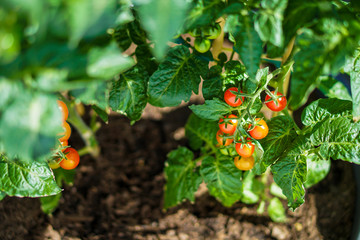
[{"x": 86, "y": 133}]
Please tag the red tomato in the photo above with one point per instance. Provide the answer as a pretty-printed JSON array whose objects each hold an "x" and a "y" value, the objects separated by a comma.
[
  {"x": 228, "y": 127},
  {"x": 71, "y": 159},
  {"x": 245, "y": 150},
  {"x": 244, "y": 163},
  {"x": 67, "y": 132},
  {"x": 221, "y": 141},
  {"x": 261, "y": 129},
  {"x": 64, "y": 109},
  {"x": 281, "y": 102},
  {"x": 231, "y": 99}
]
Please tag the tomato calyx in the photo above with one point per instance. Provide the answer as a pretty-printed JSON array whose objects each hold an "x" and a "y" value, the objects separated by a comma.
[{"x": 212, "y": 32}]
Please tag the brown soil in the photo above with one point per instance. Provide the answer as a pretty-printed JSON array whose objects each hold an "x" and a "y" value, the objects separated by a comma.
[{"x": 119, "y": 196}]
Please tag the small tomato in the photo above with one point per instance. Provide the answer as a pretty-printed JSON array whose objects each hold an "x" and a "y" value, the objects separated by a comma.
[
  {"x": 71, "y": 159},
  {"x": 64, "y": 109},
  {"x": 231, "y": 98},
  {"x": 221, "y": 140},
  {"x": 245, "y": 150},
  {"x": 202, "y": 45},
  {"x": 261, "y": 129},
  {"x": 228, "y": 127},
  {"x": 278, "y": 104},
  {"x": 244, "y": 163}
]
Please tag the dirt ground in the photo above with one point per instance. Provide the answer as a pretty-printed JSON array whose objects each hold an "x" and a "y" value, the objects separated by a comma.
[{"x": 120, "y": 195}]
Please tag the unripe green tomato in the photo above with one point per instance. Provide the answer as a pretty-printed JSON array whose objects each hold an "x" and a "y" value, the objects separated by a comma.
[
  {"x": 195, "y": 32},
  {"x": 213, "y": 32},
  {"x": 202, "y": 45},
  {"x": 224, "y": 151}
]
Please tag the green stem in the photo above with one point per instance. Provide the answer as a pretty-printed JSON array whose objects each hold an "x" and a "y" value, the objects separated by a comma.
[
  {"x": 232, "y": 55},
  {"x": 84, "y": 130}
]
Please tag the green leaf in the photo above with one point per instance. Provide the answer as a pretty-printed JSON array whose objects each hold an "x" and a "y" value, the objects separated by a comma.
[
  {"x": 122, "y": 37},
  {"x": 260, "y": 79},
  {"x": 203, "y": 13},
  {"x": 276, "y": 191},
  {"x": 22, "y": 179},
  {"x": 308, "y": 66},
  {"x": 248, "y": 44},
  {"x": 317, "y": 170},
  {"x": 89, "y": 18},
  {"x": 198, "y": 131},
  {"x": 322, "y": 109},
  {"x": 145, "y": 59},
  {"x": 177, "y": 77},
  {"x": 323, "y": 50},
  {"x": 50, "y": 203},
  {"x": 339, "y": 139},
  {"x": 161, "y": 19},
  {"x": 276, "y": 210},
  {"x": 211, "y": 110},
  {"x": 2, "y": 195},
  {"x": 107, "y": 62},
  {"x": 8, "y": 91},
  {"x": 22, "y": 123},
  {"x": 125, "y": 15},
  {"x": 128, "y": 94},
  {"x": 252, "y": 189},
  {"x": 355, "y": 84},
  {"x": 235, "y": 72},
  {"x": 137, "y": 34},
  {"x": 289, "y": 171},
  {"x": 280, "y": 136},
  {"x": 95, "y": 93},
  {"x": 301, "y": 14},
  {"x": 212, "y": 85},
  {"x": 268, "y": 21},
  {"x": 101, "y": 113},
  {"x": 261, "y": 208},
  {"x": 333, "y": 88},
  {"x": 222, "y": 179},
  {"x": 182, "y": 177}
]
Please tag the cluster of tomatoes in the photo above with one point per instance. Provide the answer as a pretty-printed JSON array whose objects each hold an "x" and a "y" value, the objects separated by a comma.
[
  {"x": 68, "y": 158},
  {"x": 203, "y": 36},
  {"x": 228, "y": 125}
]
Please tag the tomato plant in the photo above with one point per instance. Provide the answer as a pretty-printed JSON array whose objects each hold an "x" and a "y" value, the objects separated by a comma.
[{"x": 230, "y": 53}]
